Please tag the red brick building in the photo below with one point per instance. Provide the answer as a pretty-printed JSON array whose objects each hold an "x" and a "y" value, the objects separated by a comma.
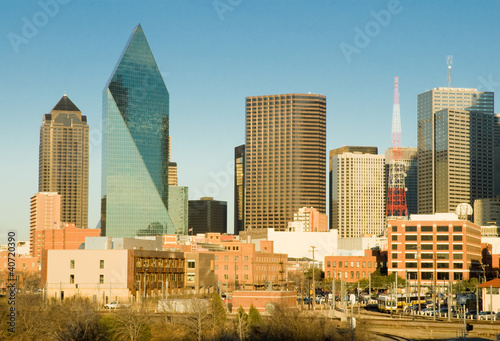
[
  {"x": 353, "y": 268},
  {"x": 263, "y": 300},
  {"x": 25, "y": 266},
  {"x": 67, "y": 238},
  {"x": 432, "y": 246}
]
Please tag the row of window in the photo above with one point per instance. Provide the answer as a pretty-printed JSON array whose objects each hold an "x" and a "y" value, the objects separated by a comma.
[
  {"x": 72, "y": 264},
  {"x": 346, "y": 263}
]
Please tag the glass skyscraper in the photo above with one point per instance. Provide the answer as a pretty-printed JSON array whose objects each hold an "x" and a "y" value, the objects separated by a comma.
[{"x": 135, "y": 146}]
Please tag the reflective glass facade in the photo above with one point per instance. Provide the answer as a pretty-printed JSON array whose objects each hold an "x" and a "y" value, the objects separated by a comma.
[{"x": 135, "y": 146}]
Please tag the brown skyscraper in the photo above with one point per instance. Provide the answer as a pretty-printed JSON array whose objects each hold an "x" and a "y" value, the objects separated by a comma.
[
  {"x": 64, "y": 160},
  {"x": 285, "y": 158}
]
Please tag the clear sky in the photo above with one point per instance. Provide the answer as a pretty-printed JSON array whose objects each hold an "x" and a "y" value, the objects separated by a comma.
[{"x": 213, "y": 54}]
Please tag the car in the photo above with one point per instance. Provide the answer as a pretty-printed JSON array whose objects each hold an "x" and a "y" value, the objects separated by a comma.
[
  {"x": 115, "y": 305},
  {"x": 485, "y": 315}
]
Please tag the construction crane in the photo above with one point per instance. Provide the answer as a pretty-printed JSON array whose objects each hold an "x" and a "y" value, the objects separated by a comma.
[{"x": 396, "y": 190}]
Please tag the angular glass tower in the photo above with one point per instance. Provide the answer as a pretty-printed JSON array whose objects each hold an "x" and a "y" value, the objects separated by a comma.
[{"x": 135, "y": 146}]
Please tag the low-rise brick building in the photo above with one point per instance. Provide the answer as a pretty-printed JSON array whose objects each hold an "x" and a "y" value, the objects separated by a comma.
[{"x": 353, "y": 268}]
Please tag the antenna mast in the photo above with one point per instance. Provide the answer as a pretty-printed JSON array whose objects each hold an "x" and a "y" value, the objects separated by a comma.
[
  {"x": 449, "y": 61},
  {"x": 396, "y": 190}
]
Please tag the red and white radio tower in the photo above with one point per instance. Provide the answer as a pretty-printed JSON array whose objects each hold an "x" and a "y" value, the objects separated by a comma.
[{"x": 396, "y": 190}]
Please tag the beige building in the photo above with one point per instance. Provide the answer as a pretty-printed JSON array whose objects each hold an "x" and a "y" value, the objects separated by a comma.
[
  {"x": 487, "y": 211},
  {"x": 109, "y": 275},
  {"x": 308, "y": 219},
  {"x": 455, "y": 148},
  {"x": 200, "y": 272},
  {"x": 285, "y": 158},
  {"x": 64, "y": 160},
  {"x": 357, "y": 197}
]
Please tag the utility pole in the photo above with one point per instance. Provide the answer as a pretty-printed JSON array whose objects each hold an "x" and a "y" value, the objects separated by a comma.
[{"x": 313, "y": 288}]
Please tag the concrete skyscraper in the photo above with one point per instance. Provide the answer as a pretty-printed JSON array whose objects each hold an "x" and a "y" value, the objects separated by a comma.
[
  {"x": 135, "y": 149},
  {"x": 455, "y": 148},
  {"x": 357, "y": 191},
  {"x": 239, "y": 189},
  {"x": 285, "y": 156},
  {"x": 64, "y": 160}
]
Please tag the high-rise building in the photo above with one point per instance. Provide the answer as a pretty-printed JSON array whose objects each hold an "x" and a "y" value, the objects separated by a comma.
[
  {"x": 308, "y": 219},
  {"x": 172, "y": 166},
  {"x": 45, "y": 214},
  {"x": 64, "y": 160},
  {"x": 285, "y": 153},
  {"x": 409, "y": 160},
  {"x": 455, "y": 139},
  {"x": 239, "y": 189},
  {"x": 496, "y": 134},
  {"x": 135, "y": 149},
  {"x": 178, "y": 208},
  {"x": 357, "y": 191},
  {"x": 207, "y": 215},
  {"x": 487, "y": 211}
]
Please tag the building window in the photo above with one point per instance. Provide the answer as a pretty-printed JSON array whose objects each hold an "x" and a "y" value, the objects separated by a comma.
[
  {"x": 394, "y": 255},
  {"x": 442, "y": 265},
  {"x": 411, "y": 246},
  {"x": 216, "y": 258},
  {"x": 457, "y": 246},
  {"x": 442, "y": 237},
  {"x": 410, "y": 255},
  {"x": 394, "y": 237},
  {"x": 72, "y": 279},
  {"x": 72, "y": 264},
  {"x": 394, "y": 229},
  {"x": 245, "y": 276},
  {"x": 457, "y": 275},
  {"x": 411, "y": 265},
  {"x": 426, "y": 237},
  {"x": 458, "y": 256},
  {"x": 245, "y": 267},
  {"x": 357, "y": 264},
  {"x": 443, "y": 247},
  {"x": 190, "y": 277},
  {"x": 394, "y": 246},
  {"x": 226, "y": 276},
  {"x": 426, "y": 247},
  {"x": 101, "y": 264},
  {"x": 226, "y": 258},
  {"x": 426, "y": 256},
  {"x": 328, "y": 264},
  {"x": 357, "y": 274},
  {"x": 457, "y": 265},
  {"x": 245, "y": 258},
  {"x": 352, "y": 264},
  {"x": 334, "y": 264},
  {"x": 410, "y": 229},
  {"x": 411, "y": 237},
  {"x": 369, "y": 264},
  {"x": 442, "y": 229},
  {"x": 426, "y": 228},
  {"x": 457, "y": 238},
  {"x": 345, "y": 264},
  {"x": 225, "y": 267},
  {"x": 394, "y": 265},
  {"x": 191, "y": 264},
  {"x": 352, "y": 274},
  {"x": 345, "y": 274},
  {"x": 235, "y": 258},
  {"x": 457, "y": 228},
  {"x": 101, "y": 279}
]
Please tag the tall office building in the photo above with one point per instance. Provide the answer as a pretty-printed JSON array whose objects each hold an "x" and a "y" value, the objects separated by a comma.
[
  {"x": 172, "y": 166},
  {"x": 455, "y": 139},
  {"x": 409, "y": 160},
  {"x": 357, "y": 191},
  {"x": 135, "y": 149},
  {"x": 285, "y": 153},
  {"x": 239, "y": 189},
  {"x": 496, "y": 137},
  {"x": 45, "y": 214},
  {"x": 64, "y": 160},
  {"x": 207, "y": 215}
]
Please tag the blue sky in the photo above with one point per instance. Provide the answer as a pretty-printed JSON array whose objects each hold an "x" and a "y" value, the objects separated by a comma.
[{"x": 213, "y": 54}]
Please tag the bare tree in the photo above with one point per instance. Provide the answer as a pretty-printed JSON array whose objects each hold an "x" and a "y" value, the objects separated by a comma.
[{"x": 131, "y": 325}]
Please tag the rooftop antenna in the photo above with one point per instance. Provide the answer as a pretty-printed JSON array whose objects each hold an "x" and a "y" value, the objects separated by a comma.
[{"x": 449, "y": 61}]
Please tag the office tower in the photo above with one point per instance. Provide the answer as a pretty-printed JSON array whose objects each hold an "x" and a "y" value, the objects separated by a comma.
[
  {"x": 285, "y": 158},
  {"x": 135, "y": 156},
  {"x": 409, "y": 160},
  {"x": 455, "y": 139},
  {"x": 496, "y": 133},
  {"x": 357, "y": 191},
  {"x": 207, "y": 215},
  {"x": 178, "y": 208},
  {"x": 487, "y": 211},
  {"x": 239, "y": 189},
  {"x": 64, "y": 160},
  {"x": 45, "y": 214}
]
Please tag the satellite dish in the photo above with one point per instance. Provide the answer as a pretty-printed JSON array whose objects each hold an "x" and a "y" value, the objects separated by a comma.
[{"x": 463, "y": 211}]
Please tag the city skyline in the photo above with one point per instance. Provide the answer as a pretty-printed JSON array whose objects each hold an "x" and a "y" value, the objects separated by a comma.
[{"x": 205, "y": 54}]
